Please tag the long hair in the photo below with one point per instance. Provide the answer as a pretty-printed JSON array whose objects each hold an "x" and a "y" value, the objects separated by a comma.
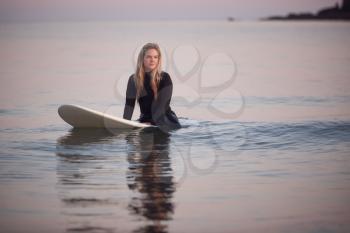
[{"x": 140, "y": 70}]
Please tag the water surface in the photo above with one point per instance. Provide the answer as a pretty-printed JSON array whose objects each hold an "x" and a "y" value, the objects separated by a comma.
[{"x": 264, "y": 145}]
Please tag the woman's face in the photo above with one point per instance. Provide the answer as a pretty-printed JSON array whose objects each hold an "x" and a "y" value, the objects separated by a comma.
[{"x": 151, "y": 60}]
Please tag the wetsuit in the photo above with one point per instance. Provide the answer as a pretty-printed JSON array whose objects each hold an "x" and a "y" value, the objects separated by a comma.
[{"x": 156, "y": 111}]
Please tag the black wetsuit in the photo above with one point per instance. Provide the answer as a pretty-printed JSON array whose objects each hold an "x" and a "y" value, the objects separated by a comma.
[{"x": 156, "y": 111}]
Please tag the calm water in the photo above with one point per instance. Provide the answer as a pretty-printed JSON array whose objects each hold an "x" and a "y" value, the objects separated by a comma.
[{"x": 265, "y": 143}]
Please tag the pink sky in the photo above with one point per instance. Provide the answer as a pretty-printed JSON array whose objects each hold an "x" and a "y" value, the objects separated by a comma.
[{"x": 154, "y": 9}]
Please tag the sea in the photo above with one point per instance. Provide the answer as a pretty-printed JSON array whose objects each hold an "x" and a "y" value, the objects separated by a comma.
[{"x": 264, "y": 144}]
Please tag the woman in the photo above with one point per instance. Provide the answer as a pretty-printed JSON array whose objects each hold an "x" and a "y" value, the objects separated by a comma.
[{"x": 152, "y": 88}]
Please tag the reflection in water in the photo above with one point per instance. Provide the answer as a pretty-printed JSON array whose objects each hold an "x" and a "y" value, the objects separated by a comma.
[
  {"x": 91, "y": 179},
  {"x": 86, "y": 197},
  {"x": 150, "y": 175},
  {"x": 85, "y": 136}
]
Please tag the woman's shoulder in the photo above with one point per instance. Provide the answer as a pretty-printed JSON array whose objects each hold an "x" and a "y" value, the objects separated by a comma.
[
  {"x": 131, "y": 81},
  {"x": 165, "y": 77},
  {"x": 132, "y": 78},
  {"x": 166, "y": 80}
]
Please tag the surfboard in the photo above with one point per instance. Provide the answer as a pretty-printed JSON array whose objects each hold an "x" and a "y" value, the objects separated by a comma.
[{"x": 82, "y": 117}]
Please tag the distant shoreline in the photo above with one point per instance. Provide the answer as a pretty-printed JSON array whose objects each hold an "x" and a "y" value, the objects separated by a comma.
[{"x": 330, "y": 13}]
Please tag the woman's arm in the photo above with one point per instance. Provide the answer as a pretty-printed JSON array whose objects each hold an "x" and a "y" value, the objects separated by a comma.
[
  {"x": 161, "y": 105},
  {"x": 130, "y": 98}
]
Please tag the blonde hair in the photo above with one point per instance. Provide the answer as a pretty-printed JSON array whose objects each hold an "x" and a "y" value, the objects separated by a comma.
[{"x": 140, "y": 70}]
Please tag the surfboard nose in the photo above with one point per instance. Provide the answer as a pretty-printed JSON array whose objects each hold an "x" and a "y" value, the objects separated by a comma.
[{"x": 63, "y": 108}]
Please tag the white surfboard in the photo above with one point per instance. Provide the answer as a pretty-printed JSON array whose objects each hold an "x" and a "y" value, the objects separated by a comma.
[{"x": 81, "y": 117}]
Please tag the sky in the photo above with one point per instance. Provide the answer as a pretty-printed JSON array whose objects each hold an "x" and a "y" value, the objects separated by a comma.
[{"x": 38, "y": 10}]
